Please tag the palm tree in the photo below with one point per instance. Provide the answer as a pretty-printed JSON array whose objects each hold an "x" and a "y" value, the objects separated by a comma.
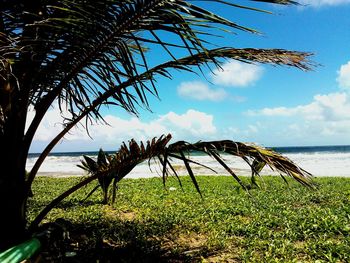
[{"x": 84, "y": 54}]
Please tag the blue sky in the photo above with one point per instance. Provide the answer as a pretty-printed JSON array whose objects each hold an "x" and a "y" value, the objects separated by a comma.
[{"x": 272, "y": 106}]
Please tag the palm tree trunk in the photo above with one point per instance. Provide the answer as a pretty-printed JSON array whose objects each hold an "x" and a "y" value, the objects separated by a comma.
[
  {"x": 105, "y": 196},
  {"x": 12, "y": 181},
  {"x": 12, "y": 205}
]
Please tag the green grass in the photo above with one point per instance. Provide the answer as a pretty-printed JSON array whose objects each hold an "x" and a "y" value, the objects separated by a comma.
[{"x": 280, "y": 223}]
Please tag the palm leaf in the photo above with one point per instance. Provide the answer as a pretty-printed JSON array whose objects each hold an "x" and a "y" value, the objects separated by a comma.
[
  {"x": 84, "y": 47},
  {"x": 257, "y": 157}
]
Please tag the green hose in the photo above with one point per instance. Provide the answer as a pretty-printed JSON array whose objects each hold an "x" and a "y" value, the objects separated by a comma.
[{"x": 20, "y": 252}]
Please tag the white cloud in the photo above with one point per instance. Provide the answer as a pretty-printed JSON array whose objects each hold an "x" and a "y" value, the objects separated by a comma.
[
  {"x": 248, "y": 133},
  {"x": 200, "y": 91},
  {"x": 51, "y": 125},
  {"x": 194, "y": 122},
  {"x": 278, "y": 111},
  {"x": 330, "y": 107},
  {"x": 318, "y": 3},
  {"x": 192, "y": 125},
  {"x": 326, "y": 118},
  {"x": 344, "y": 76},
  {"x": 231, "y": 74},
  {"x": 237, "y": 74}
]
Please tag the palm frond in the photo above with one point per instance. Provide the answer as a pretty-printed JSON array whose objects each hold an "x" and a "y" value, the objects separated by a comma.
[
  {"x": 74, "y": 51},
  {"x": 84, "y": 47},
  {"x": 258, "y": 156},
  {"x": 124, "y": 160},
  {"x": 280, "y": 2}
]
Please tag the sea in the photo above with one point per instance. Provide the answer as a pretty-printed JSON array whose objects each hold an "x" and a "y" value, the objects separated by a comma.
[{"x": 318, "y": 160}]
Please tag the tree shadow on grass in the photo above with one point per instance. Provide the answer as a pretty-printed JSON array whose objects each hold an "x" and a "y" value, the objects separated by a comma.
[
  {"x": 125, "y": 241},
  {"x": 67, "y": 204}
]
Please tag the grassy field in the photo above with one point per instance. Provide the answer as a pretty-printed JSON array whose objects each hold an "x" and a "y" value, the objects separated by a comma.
[{"x": 279, "y": 223}]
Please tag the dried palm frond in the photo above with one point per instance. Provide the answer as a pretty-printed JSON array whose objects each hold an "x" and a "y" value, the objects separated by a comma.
[
  {"x": 117, "y": 166},
  {"x": 124, "y": 160}
]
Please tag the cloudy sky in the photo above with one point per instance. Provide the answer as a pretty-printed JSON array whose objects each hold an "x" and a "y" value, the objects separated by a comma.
[{"x": 272, "y": 106}]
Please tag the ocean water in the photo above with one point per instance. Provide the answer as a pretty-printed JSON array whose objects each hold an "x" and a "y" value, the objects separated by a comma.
[{"x": 319, "y": 160}]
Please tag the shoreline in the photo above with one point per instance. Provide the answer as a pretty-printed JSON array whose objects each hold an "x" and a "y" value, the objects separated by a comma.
[{"x": 134, "y": 176}]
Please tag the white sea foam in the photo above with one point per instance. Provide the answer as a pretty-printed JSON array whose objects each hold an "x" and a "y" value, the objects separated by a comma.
[
  {"x": 317, "y": 163},
  {"x": 57, "y": 165},
  {"x": 323, "y": 163}
]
